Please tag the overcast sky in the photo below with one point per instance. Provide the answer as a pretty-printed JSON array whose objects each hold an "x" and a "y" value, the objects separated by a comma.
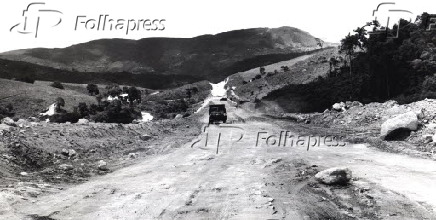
[{"x": 328, "y": 20}]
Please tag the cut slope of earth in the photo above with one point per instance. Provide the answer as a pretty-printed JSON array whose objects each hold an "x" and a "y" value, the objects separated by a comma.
[{"x": 253, "y": 85}]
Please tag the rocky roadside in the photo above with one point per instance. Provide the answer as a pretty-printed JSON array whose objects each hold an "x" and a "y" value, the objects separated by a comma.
[
  {"x": 38, "y": 157},
  {"x": 406, "y": 129}
]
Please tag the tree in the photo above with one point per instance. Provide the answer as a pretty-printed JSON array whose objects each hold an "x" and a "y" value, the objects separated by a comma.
[
  {"x": 83, "y": 109},
  {"x": 60, "y": 102},
  {"x": 423, "y": 20},
  {"x": 93, "y": 89},
  {"x": 348, "y": 46},
  {"x": 114, "y": 90},
  {"x": 319, "y": 42},
  {"x": 358, "y": 40},
  {"x": 57, "y": 84},
  {"x": 28, "y": 77},
  {"x": 188, "y": 93},
  {"x": 262, "y": 70},
  {"x": 6, "y": 111},
  {"x": 134, "y": 95},
  {"x": 93, "y": 109},
  {"x": 125, "y": 90},
  {"x": 285, "y": 68},
  {"x": 99, "y": 98}
]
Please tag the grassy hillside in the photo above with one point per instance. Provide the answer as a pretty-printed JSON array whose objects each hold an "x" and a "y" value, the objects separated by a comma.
[
  {"x": 19, "y": 69},
  {"x": 253, "y": 85},
  {"x": 30, "y": 99}
]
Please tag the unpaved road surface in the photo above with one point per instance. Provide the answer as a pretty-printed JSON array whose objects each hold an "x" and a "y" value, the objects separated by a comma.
[{"x": 245, "y": 181}]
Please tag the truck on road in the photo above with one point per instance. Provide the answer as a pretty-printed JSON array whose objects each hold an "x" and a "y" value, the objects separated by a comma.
[{"x": 217, "y": 113}]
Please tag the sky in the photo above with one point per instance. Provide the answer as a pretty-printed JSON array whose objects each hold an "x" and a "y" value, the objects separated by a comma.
[{"x": 328, "y": 20}]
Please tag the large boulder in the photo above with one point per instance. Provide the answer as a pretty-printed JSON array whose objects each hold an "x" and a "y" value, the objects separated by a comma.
[
  {"x": 4, "y": 127},
  {"x": 405, "y": 122},
  {"x": 83, "y": 121},
  {"x": 66, "y": 167},
  {"x": 22, "y": 123},
  {"x": 102, "y": 165},
  {"x": 145, "y": 137},
  {"x": 350, "y": 104},
  {"x": 334, "y": 176},
  {"x": 69, "y": 153},
  {"x": 339, "y": 106}
]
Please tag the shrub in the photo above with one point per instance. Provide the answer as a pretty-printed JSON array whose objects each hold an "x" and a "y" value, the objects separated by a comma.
[
  {"x": 100, "y": 117},
  {"x": 72, "y": 117},
  {"x": 83, "y": 110},
  {"x": 270, "y": 74},
  {"x": 57, "y": 85},
  {"x": 27, "y": 79},
  {"x": 429, "y": 88},
  {"x": 93, "y": 109},
  {"x": 60, "y": 102},
  {"x": 114, "y": 90},
  {"x": 262, "y": 70},
  {"x": 115, "y": 112},
  {"x": 6, "y": 111},
  {"x": 285, "y": 68},
  {"x": 134, "y": 94},
  {"x": 93, "y": 89}
]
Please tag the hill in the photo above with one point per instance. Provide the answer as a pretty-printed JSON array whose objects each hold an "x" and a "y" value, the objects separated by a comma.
[
  {"x": 30, "y": 99},
  {"x": 19, "y": 69},
  {"x": 207, "y": 57}
]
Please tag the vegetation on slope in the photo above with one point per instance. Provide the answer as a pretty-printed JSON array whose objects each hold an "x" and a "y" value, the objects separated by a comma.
[
  {"x": 160, "y": 63},
  {"x": 377, "y": 68}
]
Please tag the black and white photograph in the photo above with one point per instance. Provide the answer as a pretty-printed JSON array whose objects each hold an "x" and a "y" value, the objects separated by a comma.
[{"x": 226, "y": 110}]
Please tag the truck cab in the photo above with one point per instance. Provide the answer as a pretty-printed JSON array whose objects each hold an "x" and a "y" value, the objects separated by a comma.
[{"x": 217, "y": 113}]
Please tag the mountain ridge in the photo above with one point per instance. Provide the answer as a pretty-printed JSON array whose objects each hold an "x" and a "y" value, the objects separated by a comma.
[{"x": 208, "y": 57}]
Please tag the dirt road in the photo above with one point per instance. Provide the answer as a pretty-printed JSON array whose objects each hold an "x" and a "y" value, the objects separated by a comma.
[
  {"x": 239, "y": 171},
  {"x": 245, "y": 181}
]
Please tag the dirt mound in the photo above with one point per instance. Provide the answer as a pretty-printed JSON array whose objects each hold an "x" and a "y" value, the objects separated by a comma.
[
  {"x": 363, "y": 122},
  {"x": 70, "y": 152}
]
